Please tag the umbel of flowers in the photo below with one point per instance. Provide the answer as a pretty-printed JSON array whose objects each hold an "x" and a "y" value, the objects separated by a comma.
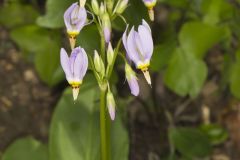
[{"x": 138, "y": 45}]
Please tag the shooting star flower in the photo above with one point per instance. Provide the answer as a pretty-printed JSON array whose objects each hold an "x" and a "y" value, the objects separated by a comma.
[
  {"x": 139, "y": 47},
  {"x": 75, "y": 18},
  {"x": 75, "y": 67}
]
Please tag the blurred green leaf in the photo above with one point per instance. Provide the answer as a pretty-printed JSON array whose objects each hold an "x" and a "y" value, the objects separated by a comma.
[
  {"x": 235, "y": 76},
  {"x": 190, "y": 142},
  {"x": 75, "y": 132},
  {"x": 54, "y": 13},
  {"x": 16, "y": 14},
  {"x": 135, "y": 12},
  {"x": 45, "y": 44},
  {"x": 26, "y": 149},
  {"x": 216, "y": 11},
  {"x": 197, "y": 37},
  {"x": 215, "y": 133},
  {"x": 176, "y": 3},
  {"x": 119, "y": 140},
  {"x": 161, "y": 55},
  {"x": 185, "y": 73},
  {"x": 89, "y": 39}
]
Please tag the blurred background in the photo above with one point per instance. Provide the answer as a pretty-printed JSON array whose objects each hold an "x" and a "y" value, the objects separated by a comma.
[{"x": 191, "y": 112}]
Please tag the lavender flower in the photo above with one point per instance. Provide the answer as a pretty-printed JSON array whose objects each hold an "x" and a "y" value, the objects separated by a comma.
[
  {"x": 75, "y": 67},
  {"x": 139, "y": 47},
  {"x": 75, "y": 18},
  {"x": 132, "y": 80}
]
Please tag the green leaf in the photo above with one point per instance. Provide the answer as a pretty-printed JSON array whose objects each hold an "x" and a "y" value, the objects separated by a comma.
[
  {"x": 135, "y": 12},
  {"x": 26, "y": 149},
  {"x": 176, "y": 3},
  {"x": 15, "y": 14},
  {"x": 215, "y": 133},
  {"x": 161, "y": 55},
  {"x": 75, "y": 132},
  {"x": 235, "y": 76},
  {"x": 185, "y": 74},
  {"x": 89, "y": 39},
  {"x": 197, "y": 37},
  {"x": 216, "y": 11},
  {"x": 190, "y": 142},
  {"x": 54, "y": 13},
  {"x": 119, "y": 139},
  {"x": 45, "y": 45}
]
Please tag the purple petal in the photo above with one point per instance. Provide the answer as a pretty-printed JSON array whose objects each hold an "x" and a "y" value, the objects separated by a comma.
[
  {"x": 67, "y": 16},
  {"x": 73, "y": 57},
  {"x": 145, "y": 24},
  {"x": 80, "y": 65},
  {"x": 131, "y": 45},
  {"x": 111, "y": 110},
  {"x": 107, "y": 34},
  {"x": 133, "y": 84},
  {"x": 82, "y": 18},
  {"x": 64, "y": 59},
  {"x": 146, "y": 41}
]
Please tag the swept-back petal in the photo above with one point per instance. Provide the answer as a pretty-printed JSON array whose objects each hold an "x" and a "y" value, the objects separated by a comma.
[
  {"x": 67, "y": 16},
  {"x": 147, "y": 42},
  {"x": 80, "y": 65},
  {"x": 145, "y": 24},
  {"x": 64, "y": 59},
  {"x": 132, "y": 48},
  {"x": 73, "y": 57},
  {"x": 82, "y": 18}
]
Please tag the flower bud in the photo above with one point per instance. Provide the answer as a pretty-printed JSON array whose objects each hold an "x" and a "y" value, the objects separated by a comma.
[
  {"x": 98, "y": 63},
  {"x": 106, "y": 25},
  {"x": 109, "y": 5},
  {"x": 132, "y": 80},
  {"x": 95, "y": 6},
  {"x": 111, "y": 105},
  {"x": 121, "y": 6},
  {"x": 110, "y": 53},
  {"x": 102, "y": 9}
]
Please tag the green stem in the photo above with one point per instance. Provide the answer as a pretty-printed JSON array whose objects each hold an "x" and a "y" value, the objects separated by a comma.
[{"x": 105, "y": 145}]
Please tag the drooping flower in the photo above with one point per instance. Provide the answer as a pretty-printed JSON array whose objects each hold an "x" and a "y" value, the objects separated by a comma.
[
  {"x": 75, "y": 18},
  {"x": 75, "y": 67},
  {"x": 139, "y": 47},
  {"x": 132, "y": 80},
  {"x": 150, "y": 4},
  {"x": 111, "y": 105}
]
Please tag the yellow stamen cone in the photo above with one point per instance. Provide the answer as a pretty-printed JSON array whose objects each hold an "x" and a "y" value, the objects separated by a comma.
[
  {"x": 147, "y": 76},
  {"x": 72, "y": 42},
  {"x": 75, "y": 91},
  {"x": 151, "y": 14}
]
